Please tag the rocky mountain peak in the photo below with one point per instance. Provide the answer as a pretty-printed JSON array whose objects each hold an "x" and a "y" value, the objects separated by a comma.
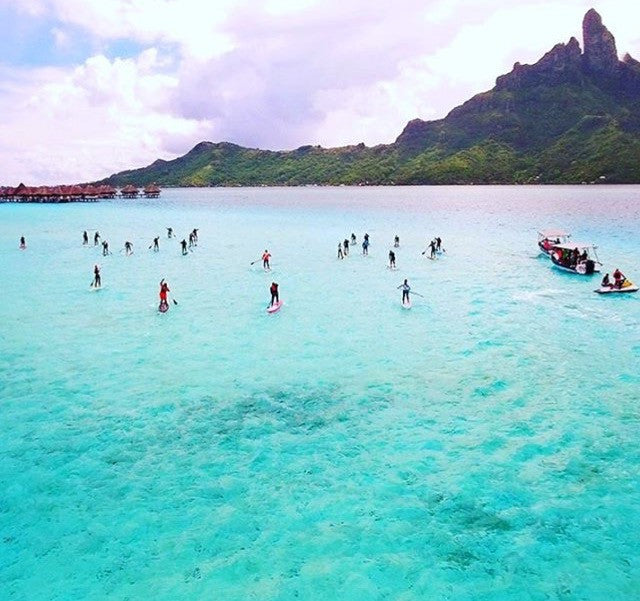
[{"x": 600, "y": 54}]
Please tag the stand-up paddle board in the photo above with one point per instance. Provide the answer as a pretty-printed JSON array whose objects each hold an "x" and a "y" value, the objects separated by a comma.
[
  {"x": 406, "y": 305},
  {"x": 275, "y": 307},
  {"x": 163, "y": 308}
]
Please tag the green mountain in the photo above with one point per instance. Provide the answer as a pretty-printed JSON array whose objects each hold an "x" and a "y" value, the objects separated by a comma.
[{"x": 574, "y": 116}]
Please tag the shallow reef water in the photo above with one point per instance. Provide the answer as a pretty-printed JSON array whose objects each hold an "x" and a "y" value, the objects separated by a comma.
[{"x": 483, "y": 445}]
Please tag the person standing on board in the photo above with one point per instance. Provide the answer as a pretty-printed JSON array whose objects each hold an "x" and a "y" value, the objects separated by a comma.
[
  {"x": 97, "y": 280},
  {"x": 184, "y": 247},
  {"x": 392, "y": 260},
  {"x": 128, "y": 248},
  {"x": 275, "y": 295},
  {"x": 432, "y": 246},
  {"x": 105, "y": 248},
  {"x": 353, "y": 239},
  {"x": 438, "y": 243},
  {"x": 266, "y": 255},
  {"x": 96, "y": 238},
  {"x": 365, "y": 247},
  {"x": 405, "y": 292},
  {"x": 345, "y": 244},
  {"x": 156, "y": 245},
  {"x": 85, "y": 238},
  {"x": 169, "y": 232},
  {"x": 195, "y": 236},
  {"x": 164, "y": 288},
  {"x": 396, "y": 242},
  {"x": 340, "y": 253},
  {"x": 23, "y": 243}
]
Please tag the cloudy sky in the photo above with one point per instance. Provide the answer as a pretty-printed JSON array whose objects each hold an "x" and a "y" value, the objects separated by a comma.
[{"x": 91, "y": 87}]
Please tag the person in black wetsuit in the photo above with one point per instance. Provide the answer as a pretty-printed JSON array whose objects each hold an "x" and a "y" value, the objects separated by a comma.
[
  {"x": 128, "y": 248},
  {"x": 275, "y": 296},
  {"x": 169, "y": 232},
  {"x": 23, "y": 243},
  {"x": 340, "y": 253},
  {"x": 97, "y": 280},
  {"x": 353, "y": 239},
  {"x": 85, "y": 238},
  {"x": 105, "y": 248},
  {"x": 392, "y": 259},
  {"x": 96, "y": 238},
  {"x": 156, "y": 245},
  {"x": 396, "y": 242},
  {"x": 184, "y": 247},
  {"x": 345, "y": 246}
]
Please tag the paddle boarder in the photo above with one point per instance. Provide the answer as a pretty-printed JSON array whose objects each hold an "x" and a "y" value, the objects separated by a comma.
[
  {"x": 365, "y": 246},
  {"x": 128, "y": 248},
  {"x": 396, "y": 242},
  {"x": 169, "y": 232},
  {"x": 164, "y": 288},
  {"x": 353, "y": 239},
  {"x": 345, "y": 245},
  {"x": 340, "y": 253},
  {"x": 275, "y": 296},
  {"x": 85, "y": 238},
  {"x": 405, "y": 292},
  {"x": 105, "y": 248},
  {"x": 23, "y": 243},
  {"x": 392, "y": 260},
  {"x": 266, "y": 255},
  {"x": 156, "y": 245},
  {"x": 97, "y": 280},
  {"x": 195, "y": 235},
  {"x": 96, "y": 238},
  {"x": 184, "y": 247}
]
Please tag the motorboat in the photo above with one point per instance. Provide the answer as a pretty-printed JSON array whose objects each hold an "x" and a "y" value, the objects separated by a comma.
[
  {"x": 547, "y": 238},
  {"x": 575, "y": 257}
]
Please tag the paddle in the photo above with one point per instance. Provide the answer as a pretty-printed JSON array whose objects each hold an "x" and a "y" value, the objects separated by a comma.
[{"x": 416, "y": 293}]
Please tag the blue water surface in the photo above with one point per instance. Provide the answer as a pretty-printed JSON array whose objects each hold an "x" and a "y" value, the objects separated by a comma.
[{"x": 483, "y": 445}]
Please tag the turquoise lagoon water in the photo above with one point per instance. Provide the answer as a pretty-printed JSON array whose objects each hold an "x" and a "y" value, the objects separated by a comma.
[{"x": 483, "y": 445}]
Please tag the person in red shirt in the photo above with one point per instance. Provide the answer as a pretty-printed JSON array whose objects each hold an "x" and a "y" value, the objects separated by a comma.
[
  {"x": 164, "y": 288},
  {"x": 265, "y": 259}
]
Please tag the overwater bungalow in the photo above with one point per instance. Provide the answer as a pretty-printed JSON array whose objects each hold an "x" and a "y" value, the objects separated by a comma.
[
  {"x": 129, "y": 191},
  {"x": 151, "y": 191}
]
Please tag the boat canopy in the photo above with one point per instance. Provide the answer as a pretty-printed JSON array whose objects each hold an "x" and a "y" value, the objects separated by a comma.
[
  {"x": 553, "y": 234},
  {"x": 573, "y": 245}
]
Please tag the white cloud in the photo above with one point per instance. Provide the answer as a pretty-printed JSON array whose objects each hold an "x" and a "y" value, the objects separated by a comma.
[{"x": 64, "y": 126}]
